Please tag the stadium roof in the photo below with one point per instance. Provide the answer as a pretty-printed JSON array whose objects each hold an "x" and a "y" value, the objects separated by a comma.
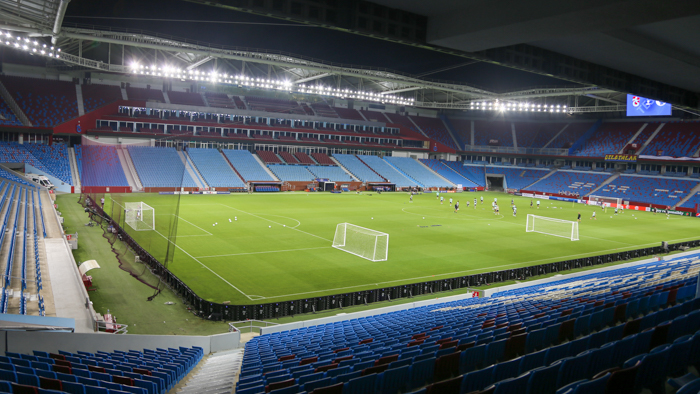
[{"x": 584, "y": 55}]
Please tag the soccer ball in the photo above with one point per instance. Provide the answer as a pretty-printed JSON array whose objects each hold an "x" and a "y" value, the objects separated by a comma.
[
  {"x": 269, "y": 226},
  {"x": 284, "y": 225},
  {"x": 229, "y": 220},
  {"x": 372, "y": 218}
]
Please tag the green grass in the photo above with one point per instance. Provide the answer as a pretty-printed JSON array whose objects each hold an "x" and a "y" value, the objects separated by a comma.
[
  {"x": 280, "y": 246},
  {"x": 120, "y": 293}
]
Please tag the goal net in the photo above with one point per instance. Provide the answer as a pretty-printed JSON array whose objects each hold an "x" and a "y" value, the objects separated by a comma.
[
  {"x": 139, "y": 216},
  {"x": 551, "y": 226},
  {"x": 368, "y": 244},
  {"x": 605, "y": 201}
]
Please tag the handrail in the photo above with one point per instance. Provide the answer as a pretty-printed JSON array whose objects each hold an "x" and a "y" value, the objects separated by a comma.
[
  {"x": 11, "y": 252},
  {"x": 41, "y": 211},
  {"x": 249, "y": 325},
  {"x": 22, "y": 300}
]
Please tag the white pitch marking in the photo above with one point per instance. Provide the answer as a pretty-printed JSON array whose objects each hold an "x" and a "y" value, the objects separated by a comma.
[{"x": 269, "y": 251}]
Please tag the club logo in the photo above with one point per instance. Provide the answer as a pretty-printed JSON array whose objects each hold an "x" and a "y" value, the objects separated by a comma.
[{"x": 635, "y": 101}]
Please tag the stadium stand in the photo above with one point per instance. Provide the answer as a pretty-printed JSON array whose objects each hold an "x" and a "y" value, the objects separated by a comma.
[
  {"x": 12, "y": 152},
  {"x": 535, "y": 339},
  {"x": 268, "y": 156},
  {"x": 485, "y": 131},
  {"x": 96, "y": 96},
  {"x": 693, "y": 201},
  {"x": 447, "y": 172},
  {"x": 346, "y": 113},
  {"x": 304, "y": 158},
  {"x": 402, "y": 120},
  {"x": 45, "y": 102},
  {"x": 139, "y": 372},
  {"x": 7, "y": 117},
  {"x": 375, "y": 116},
  {"x": 418, "y": 172},
  {"x": 570, "y": 135},
  {"x": 473, "y": 173},
  {"x": 536, "y": 135},
  {"x": 99, "y": 166},
  {"x": 186, "y": 98},
  {"x": 334, "y": 173},
  {"x": 358, "y": 168},
  {"x": 570, "y": 182},
  {"x": 517, "y": 178},
  {"x": 55, "y": 158},
  {"x": 145, "y": 94},
  {"x": 462, "y": 129},
  {"x": 289, "y": 158},
  {"x": 387, "y": 171},
  {"x": 324, "y": 110},
  {"x": 291, "y": 173},
  {"x": 434, "y": 128},
  {"x": 246, "y": 165},
  {"x": 214, "y": 168},
  {"x": 274, "y": 105},
  {"x": 649, "y": 190},
  {"x": 610, "y": 138},
  {"x": 322, "y": 159},
  {"x": 160, "y": 167},
  {"x": 675, "y": 139},
  {"x": 645, "y": 134},
  {"x": 220, "y": 100}
]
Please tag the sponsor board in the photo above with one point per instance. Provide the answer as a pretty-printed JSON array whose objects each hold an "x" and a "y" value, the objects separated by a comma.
[{"x": 621, "y": 158}]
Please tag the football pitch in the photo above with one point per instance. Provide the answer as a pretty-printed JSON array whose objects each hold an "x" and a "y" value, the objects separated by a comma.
[{"x": 278, "y": 246}]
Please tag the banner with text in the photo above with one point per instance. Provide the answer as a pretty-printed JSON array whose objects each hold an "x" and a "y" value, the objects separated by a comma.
[{"x": 622, "y": 158}]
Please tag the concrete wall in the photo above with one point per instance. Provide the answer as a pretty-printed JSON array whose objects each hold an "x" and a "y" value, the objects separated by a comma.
[
  {"x": 26, "y": 341},
  {"x": 43, "y": 320},
  {"x": 356, "y": 315}
]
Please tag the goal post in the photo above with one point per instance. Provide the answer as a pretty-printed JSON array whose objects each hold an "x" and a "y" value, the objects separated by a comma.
[
  {"x": 605, "y": 201},
  {"x": 140, "y": 216},
  {"x": 552, "y": 226},
  {"x": 363, "y": 242}
]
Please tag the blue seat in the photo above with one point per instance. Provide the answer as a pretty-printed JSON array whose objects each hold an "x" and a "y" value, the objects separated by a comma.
[
  {"x": 652, "y": 372},
  {"x": 594, "y": 386},
  {"x": 513, "y": 385},
  {"x": 642, "y": 342},
  {"x": 477, "y": 380},
  {"x": 361, "y": 385},
  {"x": 543, "y": 380},
  {"x": 346, "y": 378},
  {"x": 573, "y": 369},
  {"x": 582, "y": 326},
  {"x": 495, "y": 351},
  {"x": 535, "y": 340},
  {"x": 623, "y": 351},
  {"x": 471, "y": 358},
  {"x": 150, "y": 386},
  {"x": 506, "y": 370},
  {"x": 96, "y": 390},
  {"x": 394, "y": 379},
  {"x": 311, "y": 386},
  {"x": 597, "y": 339},
  {"x": 690, "y": 388},
  {"x": 556, "y": 353},
  {"x": 601, "y": 359},
  {"x": 632, "y": 309},
  {"x": 5, "y": 387},
  {"x": 577, "y": 346},
  {"x": 531, "y": 361},
  {"x": 679, "y": 356},
  {"x": 134, "y": 390},
  {"x": 551, "y": 335},
  {"x": 421, "y": 372},
  {"x": 27, "y": 379},
  {"x": 286, "y": 390}
]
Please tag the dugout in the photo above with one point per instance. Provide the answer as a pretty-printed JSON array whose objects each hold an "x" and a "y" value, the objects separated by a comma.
[
  {"x": 383, "y": 186},
  {"x": 325, "y": 185},
  {"x": 264, "y": 186},
  {"x": 496, "y": 182}
]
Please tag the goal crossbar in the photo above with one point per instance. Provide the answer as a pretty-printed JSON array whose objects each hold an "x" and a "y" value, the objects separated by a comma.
[
  {"x": 363, "y": 242},
  {"x": 552, "y": 226}
]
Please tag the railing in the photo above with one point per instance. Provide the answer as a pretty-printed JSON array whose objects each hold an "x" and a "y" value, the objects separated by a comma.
[
  {"x": 250, "y": 325},
  {"x": 111, "y": 328},
  {"x": 522, "y": 151}
]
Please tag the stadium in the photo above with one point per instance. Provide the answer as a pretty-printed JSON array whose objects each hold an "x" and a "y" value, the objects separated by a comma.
[{"x": 305, "y": 196}]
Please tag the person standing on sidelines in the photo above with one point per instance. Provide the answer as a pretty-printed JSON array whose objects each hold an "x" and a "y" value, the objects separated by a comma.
[
  {"x": 538, "y": 204},
  {"x": 102, "y": 202},
  {"x": 530, "y": 203},
  {"x": 579, "y": 216}
]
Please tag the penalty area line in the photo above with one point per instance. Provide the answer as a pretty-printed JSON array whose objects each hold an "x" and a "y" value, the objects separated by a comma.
[{"x": 264, "y": 252}]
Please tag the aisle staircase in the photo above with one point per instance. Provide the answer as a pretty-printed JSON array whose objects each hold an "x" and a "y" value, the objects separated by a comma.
[{"x": 216, "y": 374}]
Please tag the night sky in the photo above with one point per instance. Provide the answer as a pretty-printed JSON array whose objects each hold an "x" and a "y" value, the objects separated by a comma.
[{"x": 316, "y": 42}]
